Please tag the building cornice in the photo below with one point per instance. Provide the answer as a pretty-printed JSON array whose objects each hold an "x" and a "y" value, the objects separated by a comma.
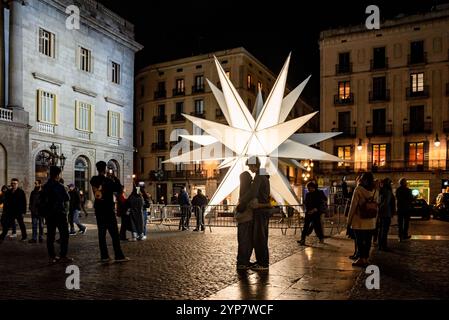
[
  {"x": 115, "y": 101},
  {"x": 90, "y": 20},
  {"x": 43, "y": 77},
  {"x": 84, "y": 91}
]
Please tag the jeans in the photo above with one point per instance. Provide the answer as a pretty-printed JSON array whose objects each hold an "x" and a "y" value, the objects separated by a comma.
[
  {"x": 260, "y": 237},
  {"x": 363, "y": 238},
  {"x": 106, "y": 221},
  {"x": 76, "y": 220},
  {"x": 245, "y": 242},
  {"x": 403, "y": 224},
  {"x": 185, "y": 218},
  {"x": 145, "y": 220},
  {"x": 313, "y": 219},
  {"x": 59, "y": 221},
  {"x": 384, "y": 227},
  {"x": 199, "y": 214},
  {"x": 36, "y": 222}
]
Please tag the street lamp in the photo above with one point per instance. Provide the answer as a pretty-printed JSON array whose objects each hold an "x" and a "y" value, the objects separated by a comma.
[
  {"x": 52, "y": 158},
  {"x": 359, "y": 146},
  {"x": 437, "y": 141}
]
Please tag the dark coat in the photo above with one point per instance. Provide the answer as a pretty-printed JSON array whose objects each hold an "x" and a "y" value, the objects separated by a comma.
[
  {"x": 56, "y": 196},
  {"x": 199, "y": 200},
  {"x": 404, "y": 199},
  {"x": 75, "y": 200},
  {"x": 34, "y": 202},
  {"x": 184, "y": 199},
  {"x": 15, "y": 203}
]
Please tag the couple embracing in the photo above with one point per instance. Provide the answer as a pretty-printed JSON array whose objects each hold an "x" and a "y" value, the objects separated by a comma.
[{"x": 252, "y": 214}]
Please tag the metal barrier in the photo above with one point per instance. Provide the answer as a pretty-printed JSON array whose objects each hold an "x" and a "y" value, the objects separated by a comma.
[{"x": 285, "y": 218}]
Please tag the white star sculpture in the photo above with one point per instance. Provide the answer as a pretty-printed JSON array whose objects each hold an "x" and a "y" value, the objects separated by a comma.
[{"x": 264, "y": 134}]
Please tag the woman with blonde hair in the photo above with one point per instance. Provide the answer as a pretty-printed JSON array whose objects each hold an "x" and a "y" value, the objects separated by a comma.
[{"x": 362, "y": 217}]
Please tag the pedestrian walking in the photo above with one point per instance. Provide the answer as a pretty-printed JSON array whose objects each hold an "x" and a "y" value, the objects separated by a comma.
[
  {"x": 404, "y": 200},
  {"x": 362, "y": 217},
  {"x": 52, "y": 205},
  {"x": 199, "y": 203},
  {"x": 315, "y": 202},
  {"x": 75, "y": 210},
  {"x": 135, "y": 207},
  {"x": 14, "y": 208},
  {"x": 104, "y": 187},
  {"x": 37, "y": 221}
]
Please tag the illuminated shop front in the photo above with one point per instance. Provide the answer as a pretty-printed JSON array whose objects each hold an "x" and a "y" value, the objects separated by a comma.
[{"x": 420, "y": 189}]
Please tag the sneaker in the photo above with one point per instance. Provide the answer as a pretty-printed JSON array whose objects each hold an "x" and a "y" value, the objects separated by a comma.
[
  {"x": 72, "y": 233},
  {"x": 32, "y": 241},
  {"x": 301, "y": 242},
  {"x": 83, "y": 231},
  {"x": 196, "y": 230},
  {"x": 24, "y": 239},
  {"x": 12, "y": 236},
  {"x": 124, "y": 259},
  {"x": 53, "y": 259},
  {"x": 132, "y": 240},
  {"x": 259, "y": 267},
  {"x": 66, "y": 260}
]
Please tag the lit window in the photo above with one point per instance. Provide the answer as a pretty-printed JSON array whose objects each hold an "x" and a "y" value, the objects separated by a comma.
[
  {"x": 84, "y": 117},
  {"x": 415, "y": 153},
  {"x": 46, "y": 105},
  {"x": 115, "y": 67},
  {"x": 180, "y": 85},
  {"x": 249, "y": 81},
  {"x": 115, "y": 124},
  {"x": 344, "y": 89},
  {"x": 344, "y": 152},
  {"x": 417, "y": 80},
  {"x": 259, "y": 86},
  {"x": 379, "y": 155},
  {"x": 85, "y": 59},
  {"x": 199, "y": 106},
  {"x": 46, "y": 43}
]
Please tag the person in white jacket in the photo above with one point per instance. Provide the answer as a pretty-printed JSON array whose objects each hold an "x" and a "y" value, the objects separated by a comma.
[{"x": 363, "y": 227}]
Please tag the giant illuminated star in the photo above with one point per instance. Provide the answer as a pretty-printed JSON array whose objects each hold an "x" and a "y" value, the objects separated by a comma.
[{"x": 264, "y": 133}]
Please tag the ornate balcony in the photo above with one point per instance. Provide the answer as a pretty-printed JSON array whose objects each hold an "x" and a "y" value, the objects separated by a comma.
[
  {"x": 177, "y": 117},
  {"x": 159, "y": 146},
  {"x": 160, "y": 119},
  {"x": 179, "y": 92},
  {"x": 422, "y": 94},
  {"x": 197, "y": 114},
  {"x": 379, "y": 64},
  {"x": 416, "y": 128},
  {"x": 198, "y": 89},
  {"x": 382, "y": 131},
  {"x": 344, "y": 101},
  {"x": 6, "y": 114},
  {"x": 379, "y": 96},
  {"x": 343, "y": 68},
  {"x": 414, "y": 59},
  {"x": 346, "y": 132},
  {"x": 160, "y": 94}
]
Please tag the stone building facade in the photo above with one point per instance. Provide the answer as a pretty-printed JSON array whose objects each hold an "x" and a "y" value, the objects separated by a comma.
[
  {"x": 387, "y": 90},
  {"x": 75, "y": 84}
]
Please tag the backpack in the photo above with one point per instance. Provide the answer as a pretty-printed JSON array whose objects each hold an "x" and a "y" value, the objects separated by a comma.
[{"x": 369, "y": 209}]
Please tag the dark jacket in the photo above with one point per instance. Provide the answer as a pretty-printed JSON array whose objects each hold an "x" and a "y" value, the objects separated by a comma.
[
  {"x": 75, "y": 200},
  {"x": 15, "y": 203},
  {"x": 260, "y": 189},
  {"x": 184, "y": 199},
  {"x": 109, "y": 186},
  {"x": 387, "y": 204},
  {"x": 34, "y": 202},
  {"x": 135, "y": 204},
  {"x": 199, "y": 200},
  {"x": 56, "y": 196},
  {"x": 315, "y": 200},
  {"x": 404, "y": 199}
]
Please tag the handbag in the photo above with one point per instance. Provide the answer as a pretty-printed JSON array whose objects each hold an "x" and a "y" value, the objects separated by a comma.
[
  {"x": 369, "y": 209},
  {"x": 247, "y": 214}
]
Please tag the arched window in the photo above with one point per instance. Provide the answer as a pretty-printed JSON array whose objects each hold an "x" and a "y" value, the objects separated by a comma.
[
  {"x": 82, "y": 175},
  {"x": 42, "y": 166},
  {"x": 114, "y": 166}
]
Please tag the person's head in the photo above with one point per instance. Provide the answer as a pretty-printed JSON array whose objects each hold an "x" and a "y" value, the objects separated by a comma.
[
  {"x": 199, "y": 191},
  {"x": 14, "y": 183},
  {"x": 71, "y": 187},
  {"x": 367, "y": 181},
  {"x": 253, "y": 164},
  {"x": 37, "y": 184},
  {"x": 403, "y": 182},
  {"x": 311, "y": 186},
  {"x": 101, "y": 167},
  {"x": 386, "y": 183},
  {"x": 55, "y": 172}
]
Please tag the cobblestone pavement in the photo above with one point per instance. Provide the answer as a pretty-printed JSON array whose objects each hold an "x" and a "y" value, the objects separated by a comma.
[
  {"x": 416, "y": 269},
  {"x": 168, "y": 265}
]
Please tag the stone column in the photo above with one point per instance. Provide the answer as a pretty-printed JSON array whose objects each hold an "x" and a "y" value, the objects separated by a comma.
[
  {"x": 15, "y": 54},
  {"x": 2, "y": 55}
]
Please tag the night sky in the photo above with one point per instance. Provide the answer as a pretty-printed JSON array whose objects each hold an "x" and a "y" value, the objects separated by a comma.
[{"x": 171, "y": 30}]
